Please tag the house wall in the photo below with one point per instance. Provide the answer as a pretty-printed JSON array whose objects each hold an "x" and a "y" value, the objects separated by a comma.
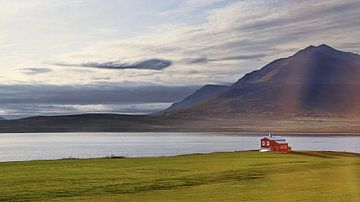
[
  {"x": 265, "y": 143},
  {"x": 273, "y": 146},
  {"x": 280, "y": 147}
]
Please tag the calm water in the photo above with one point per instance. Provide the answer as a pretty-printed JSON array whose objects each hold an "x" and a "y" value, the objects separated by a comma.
[{"x": 15, "y": 147}]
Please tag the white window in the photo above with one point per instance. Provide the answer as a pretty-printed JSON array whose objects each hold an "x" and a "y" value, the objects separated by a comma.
[
  {"x": 263, "y": 143},
  {"x": 268, "y": 143}
]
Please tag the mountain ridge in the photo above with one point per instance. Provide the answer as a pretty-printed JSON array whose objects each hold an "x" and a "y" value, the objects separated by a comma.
[{"x": 315, "y": 80}]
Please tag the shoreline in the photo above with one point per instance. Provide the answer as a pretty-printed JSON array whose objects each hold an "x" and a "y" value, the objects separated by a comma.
[{"x": 115, "y": 157}]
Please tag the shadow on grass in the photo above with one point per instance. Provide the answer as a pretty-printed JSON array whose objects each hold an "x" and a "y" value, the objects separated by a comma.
[
  {"x": 237, "y": 176},
  {"x": 325, "y": 154}
]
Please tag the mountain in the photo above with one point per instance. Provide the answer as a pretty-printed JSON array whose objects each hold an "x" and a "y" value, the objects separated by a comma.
[
  {"x": 2, "y": 119},
  {"x": 316, "y": 81},
  {"x": 204, "y": 93},
  {"x": 315, "y": 90}
]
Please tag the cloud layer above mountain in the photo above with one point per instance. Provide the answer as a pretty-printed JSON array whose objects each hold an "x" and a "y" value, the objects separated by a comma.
[{"x": 219, "y": 40}]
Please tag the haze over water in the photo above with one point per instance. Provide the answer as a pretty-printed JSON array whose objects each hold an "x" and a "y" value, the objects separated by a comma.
[{"x": 39, "y": 146}]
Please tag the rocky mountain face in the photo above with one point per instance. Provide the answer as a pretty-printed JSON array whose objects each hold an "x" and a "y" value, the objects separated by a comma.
[{"x": 315, "y": 81}]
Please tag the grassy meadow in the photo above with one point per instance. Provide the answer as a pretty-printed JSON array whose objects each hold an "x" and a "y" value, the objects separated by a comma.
[{"x": 237, "y": 176}]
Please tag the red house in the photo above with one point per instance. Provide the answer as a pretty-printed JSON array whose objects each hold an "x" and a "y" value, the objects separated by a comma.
[{"x": 274, "y": 144}]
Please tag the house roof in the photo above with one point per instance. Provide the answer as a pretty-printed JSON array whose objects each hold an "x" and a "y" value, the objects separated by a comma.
[
  {"x": 281, "y": 142},
  {"x": 276, "y": 138}
]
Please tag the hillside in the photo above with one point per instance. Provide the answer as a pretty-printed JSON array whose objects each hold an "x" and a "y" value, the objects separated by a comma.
[
  {"x": 204, "y": 93},
  {"x": 314, "y": 81}
]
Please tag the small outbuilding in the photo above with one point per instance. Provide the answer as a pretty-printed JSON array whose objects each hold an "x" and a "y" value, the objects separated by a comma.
[{"x": 274, "y": 144}]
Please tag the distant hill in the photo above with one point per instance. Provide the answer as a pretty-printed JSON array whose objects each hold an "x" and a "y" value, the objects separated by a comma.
[
  {"x": 2, "y": 119},
  {"x": 315, "y": 81},
  {"x": 82, "y": 123}
]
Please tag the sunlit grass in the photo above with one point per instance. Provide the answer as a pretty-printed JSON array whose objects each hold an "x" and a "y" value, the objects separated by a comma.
[{"x": 313, "y": 176}]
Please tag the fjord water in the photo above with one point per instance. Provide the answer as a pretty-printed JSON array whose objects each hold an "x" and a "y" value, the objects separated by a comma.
[{"x": 39, "y": 146}]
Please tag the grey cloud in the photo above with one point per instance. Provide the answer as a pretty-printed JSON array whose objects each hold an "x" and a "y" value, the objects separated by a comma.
[
  {"x": 101, "y": 78},
  {"x": 19, "y": 100},
  {"x": 302, "y": 14},
  {"x": 351, "y": 45},
  {"x": 35, "y": 70},
  {"x": 151, "y": 64},
  {"x": 200, "y": 60},
  {"x": 92, "y": 94},
  {"x": 17, "y": 110},
  {"x": 241, "y": 57},
  {"x": 203, "y": 60},
  {"x": 305, "y": 24}
]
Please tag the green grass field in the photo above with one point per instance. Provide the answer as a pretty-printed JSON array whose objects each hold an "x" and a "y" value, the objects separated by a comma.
[{"x": 238, "y": 176}]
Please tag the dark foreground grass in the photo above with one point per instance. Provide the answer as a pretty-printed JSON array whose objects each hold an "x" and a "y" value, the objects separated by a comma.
[{"x": 238, "y": 176}]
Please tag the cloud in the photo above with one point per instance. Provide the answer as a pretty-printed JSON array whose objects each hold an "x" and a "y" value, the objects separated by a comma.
[
  {"x": 223, "y": 39},
  {"x": 19, "y": 100},
  {"x": 187, "y": 6},
  {"x": 35, "y": 70},
  {"x": 93, "y": 94},
  {"x": 203, "y": 60},
  {"x": 15, "y": 111},
  {"x": 200, "y": 60},
  {"x": 240, "y": 57},
  {"x": 239, "y": 36},
  {"x": 150, "y": 64}
]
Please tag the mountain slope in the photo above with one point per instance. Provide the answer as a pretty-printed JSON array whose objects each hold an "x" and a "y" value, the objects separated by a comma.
[
  {"x": 206, "y": 92},
  {"x": 315, "y": 81},
  {"x": 2, "y": 119},
  {"x": 322, "y": 64}
]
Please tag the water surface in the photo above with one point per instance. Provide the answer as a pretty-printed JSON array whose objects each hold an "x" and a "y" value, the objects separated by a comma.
[{"x": 38, "y": 146}]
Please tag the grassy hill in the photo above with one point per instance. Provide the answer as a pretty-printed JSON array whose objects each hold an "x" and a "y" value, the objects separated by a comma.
[{"x": 238, "y": 176}]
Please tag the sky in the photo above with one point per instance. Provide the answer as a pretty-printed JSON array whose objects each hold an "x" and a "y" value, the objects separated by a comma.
[{"x": 139, "y": 56}]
